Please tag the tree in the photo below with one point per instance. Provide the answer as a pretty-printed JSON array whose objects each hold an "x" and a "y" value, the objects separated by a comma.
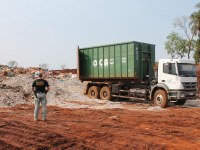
[
  {"x": 63, "y": 66},
  {"x": 183, "y": 24},
  {"x": 195, "y": 21},
  {"x": 12, "y": 64},
  {"x": 43, "y": 66},
  {"x": 195, "y": 29},
  {"x": 197, "y": 51},
  {"x": 175, "y": 45}
]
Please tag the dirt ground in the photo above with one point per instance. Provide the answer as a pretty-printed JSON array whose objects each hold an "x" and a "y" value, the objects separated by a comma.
[{"x": 172, "y": 128}]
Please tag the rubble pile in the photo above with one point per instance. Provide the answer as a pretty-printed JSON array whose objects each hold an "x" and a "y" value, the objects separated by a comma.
[
  {"x": 15, "y": 85},
  {"x": 17, "y": 90},
  {"x": 65, "y": 90}
]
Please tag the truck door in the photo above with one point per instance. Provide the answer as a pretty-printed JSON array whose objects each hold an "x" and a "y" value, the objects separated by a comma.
[{"x": 169, "y": 76}]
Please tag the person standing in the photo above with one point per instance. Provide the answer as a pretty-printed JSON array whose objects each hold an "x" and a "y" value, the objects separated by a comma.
[{"x": 40, "y": 87}]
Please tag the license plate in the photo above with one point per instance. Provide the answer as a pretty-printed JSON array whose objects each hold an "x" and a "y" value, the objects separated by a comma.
[{"x": 191, "y": 94}]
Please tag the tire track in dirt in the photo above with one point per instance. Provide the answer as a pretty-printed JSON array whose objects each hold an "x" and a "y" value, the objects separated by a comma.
[
  {"x": 17, "y": 135},
  {"x": 174, "y": 128}
]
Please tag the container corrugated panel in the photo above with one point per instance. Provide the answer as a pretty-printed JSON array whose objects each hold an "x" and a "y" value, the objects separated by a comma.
[{"x": 129, "y": 60}]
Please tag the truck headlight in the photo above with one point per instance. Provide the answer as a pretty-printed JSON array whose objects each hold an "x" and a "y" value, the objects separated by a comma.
[{"x": 182, "y": 95}]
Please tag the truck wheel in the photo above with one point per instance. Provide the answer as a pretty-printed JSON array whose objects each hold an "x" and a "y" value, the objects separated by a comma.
[
  {"x": 180, "y": 102},
  {"x": 93, "y": 92},
  {"x": 105, "y": 93},
  {"x": 160, "y": 98}
]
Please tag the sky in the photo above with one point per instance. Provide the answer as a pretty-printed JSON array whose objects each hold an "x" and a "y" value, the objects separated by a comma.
[{"x": 34, "y": 32}]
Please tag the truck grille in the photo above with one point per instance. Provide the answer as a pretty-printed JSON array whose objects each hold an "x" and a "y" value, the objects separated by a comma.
[{"x": 189, "y": 85}]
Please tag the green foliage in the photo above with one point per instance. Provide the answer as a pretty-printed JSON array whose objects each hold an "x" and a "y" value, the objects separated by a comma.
[
  {"x": 178, "y": 46},
  {"x": 198, "y": 6},
  {"x": 195, "y": 29},
  {"x": 175, "y": 45},
  {"x": 195, "y": 23},
  {"x": 197, "y": 51}
]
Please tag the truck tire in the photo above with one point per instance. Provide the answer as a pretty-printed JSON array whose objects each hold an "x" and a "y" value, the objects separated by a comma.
[
  {"x": 160, "y": 98},
  {"x": 93, "y": 92},
  {"x": 180, "y": 102},
  {"x": 105, "y": 93}
]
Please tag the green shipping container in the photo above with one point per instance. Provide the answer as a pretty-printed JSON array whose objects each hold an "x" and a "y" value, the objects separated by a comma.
[{"x": 120, "y": 61}]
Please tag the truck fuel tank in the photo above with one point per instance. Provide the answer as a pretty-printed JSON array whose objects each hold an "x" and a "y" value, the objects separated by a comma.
[{"x": 137, "y": 92}]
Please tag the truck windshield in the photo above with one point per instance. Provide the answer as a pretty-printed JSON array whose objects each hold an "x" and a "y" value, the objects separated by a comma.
[{"x": 186, "y": 70}]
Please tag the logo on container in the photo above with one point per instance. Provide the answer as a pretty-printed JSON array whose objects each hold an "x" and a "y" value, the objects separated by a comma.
[{"x": 101, "y": 62}]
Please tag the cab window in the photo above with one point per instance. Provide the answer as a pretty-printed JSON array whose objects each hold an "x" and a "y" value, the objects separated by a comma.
[{"x": 169, "y": 68}]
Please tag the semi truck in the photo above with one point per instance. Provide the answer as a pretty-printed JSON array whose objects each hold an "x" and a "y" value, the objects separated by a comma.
[{"x": 128, "y": 71}]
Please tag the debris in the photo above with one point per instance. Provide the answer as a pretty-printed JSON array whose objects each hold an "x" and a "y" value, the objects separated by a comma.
[{"x": 65, "y": 91}]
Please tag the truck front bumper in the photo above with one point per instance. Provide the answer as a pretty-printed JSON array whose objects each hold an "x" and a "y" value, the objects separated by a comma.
[{"x": 184, "y": 95}]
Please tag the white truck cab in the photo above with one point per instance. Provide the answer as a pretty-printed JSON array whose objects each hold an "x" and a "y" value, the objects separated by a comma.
[{"x": 176, "y": 82}]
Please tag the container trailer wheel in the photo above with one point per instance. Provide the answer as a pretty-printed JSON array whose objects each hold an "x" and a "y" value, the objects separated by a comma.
[
  {"x": 160, "y": 98},
  {"x": 93, "y": 92},
  {"x": 105, "y": 93}
]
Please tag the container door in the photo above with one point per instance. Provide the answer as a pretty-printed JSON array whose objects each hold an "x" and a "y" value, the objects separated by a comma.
[{"x": 146, "y": 66}]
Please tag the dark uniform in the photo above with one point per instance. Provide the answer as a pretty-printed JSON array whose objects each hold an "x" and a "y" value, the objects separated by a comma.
[{"x": 40, "y": 88}]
